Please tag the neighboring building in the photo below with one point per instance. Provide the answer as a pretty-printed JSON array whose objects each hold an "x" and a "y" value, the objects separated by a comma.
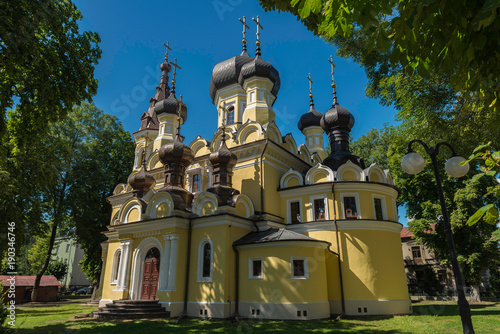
[
  {"x": 47, "y": 292},
  {"x": 248, "y": 222},
  {"x": 417, "y": 257},
  {"x": 68, "y": 250}
]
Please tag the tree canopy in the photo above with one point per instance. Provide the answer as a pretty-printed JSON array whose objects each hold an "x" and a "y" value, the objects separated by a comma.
[
  {"x": 78, "y": 163},
  {"x": 46, "y": 65},
  {"x": 456, "y": 38}
]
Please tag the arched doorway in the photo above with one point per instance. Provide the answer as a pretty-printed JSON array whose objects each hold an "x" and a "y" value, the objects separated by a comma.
[{"x": 151, "y": 274}]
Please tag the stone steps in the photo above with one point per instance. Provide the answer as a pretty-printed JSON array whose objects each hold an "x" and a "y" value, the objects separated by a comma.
[{"x": 131, "y": 309}]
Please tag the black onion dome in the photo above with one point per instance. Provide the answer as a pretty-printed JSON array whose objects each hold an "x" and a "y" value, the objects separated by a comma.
[
  {"x": 227, "y": 72},
  {"x": 176, "y": 152},
  {"x": 141, "y": 181},
  {"x": 310, "y": 118},
  {"x": 337, "y": 117},
  {"x": 261, "y": 68},
  {"x": 170, "y": 106},
  {"x": 223, "y": 156}
]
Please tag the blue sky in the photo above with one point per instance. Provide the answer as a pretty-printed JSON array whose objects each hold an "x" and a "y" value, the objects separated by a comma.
[{"x": 203, "y": 33}]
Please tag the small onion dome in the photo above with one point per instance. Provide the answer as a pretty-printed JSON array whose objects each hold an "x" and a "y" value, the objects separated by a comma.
[
  {"x": 310, "y": 118},
  {"x": 337, "y": 117},
  {"x": 227, "y": 72},
  {"x": 165, "y": 66},
  {"x": 142, "y": 181},
  {"x": 176, "y": 152},
  {"x": 260, "y": 68},
  {"x": 170, "y": 106},
  {"x": 223, "y": 157}
]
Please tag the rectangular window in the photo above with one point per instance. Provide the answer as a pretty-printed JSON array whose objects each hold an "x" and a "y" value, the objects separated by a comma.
[
  {"x": 230, "y": 116},
  {"x": 257, "y": 268},
  {"x": 377, "y": 202},
  {"x": 295, "y": 212},
  {"x": 298, "y": 268},
  {"x": 350, "y": 208},
  {"x": 196, "y": 183},
  {"x": 56, "y": 249},
  {"x": 415, "y": 251},
  {"x": 67, "y": 248},
  {"x": 319, "y": 209}
]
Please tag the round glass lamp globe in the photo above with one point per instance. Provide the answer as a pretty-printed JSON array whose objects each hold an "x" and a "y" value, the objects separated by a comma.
[
  {"x": 453, "y": 168},
  {"x": 413, "y": 163}
]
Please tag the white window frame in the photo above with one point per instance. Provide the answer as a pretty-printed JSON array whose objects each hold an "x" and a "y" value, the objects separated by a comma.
[
  {"x": 116, "y": 267},
  {"x": 356, "y": 200},
  {"x": 289, "y": 210},
  {"x": 311, "y": 209},
  {"x": 383, "y": 204},
  {"x": 202, "y": 279},
  {"x": 306, "y": 267},
  {"x": 251, "y": 96},
  {"x": 250, "y": 268}
]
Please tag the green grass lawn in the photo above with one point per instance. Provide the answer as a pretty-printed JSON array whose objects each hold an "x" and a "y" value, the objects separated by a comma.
[{"x": 429, "y": 317}]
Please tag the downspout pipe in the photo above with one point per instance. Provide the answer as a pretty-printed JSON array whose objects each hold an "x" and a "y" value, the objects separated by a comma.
[
  {"x": 237, "y": 282},
  {"x": 262, "y": 179},
  {"x": 342, "y": 298},
  {"x": 186, "y": 281}
]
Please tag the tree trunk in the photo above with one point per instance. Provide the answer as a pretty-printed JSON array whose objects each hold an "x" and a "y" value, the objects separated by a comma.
[
  {"x": 475, "y": 296},
  {"x": 34, "y": 294}
]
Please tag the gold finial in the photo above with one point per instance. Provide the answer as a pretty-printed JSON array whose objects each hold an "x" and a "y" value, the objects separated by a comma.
[
  {"x": 222, "y": 106},
  {"x": 257, "y": 52},
  {"x": 168, "y": 48},
  {"x": 245, "y": 27},
  {"x": 310, "y": 89},
  {"x": 334, "y": 85},
  {"x": 174, "y": 64}
]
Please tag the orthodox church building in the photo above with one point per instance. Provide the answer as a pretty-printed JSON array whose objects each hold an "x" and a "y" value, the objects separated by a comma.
[{"x": 248, "y": 223}]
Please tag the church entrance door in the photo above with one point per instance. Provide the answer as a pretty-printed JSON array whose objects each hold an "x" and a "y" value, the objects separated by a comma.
[{"x": 151, "y": 274}]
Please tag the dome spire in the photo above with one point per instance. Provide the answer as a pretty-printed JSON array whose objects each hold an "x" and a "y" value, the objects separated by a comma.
[
  {"x": 168, "y": 48},
  {"x": 244, "y": 40},
  {"x": 311, "y": 103},
  {"x": 222, "y": 106},
  {"x": 257, "y": 42},
  {"x": 334, "y": 85},
  {"x": 179, "y": 110}
]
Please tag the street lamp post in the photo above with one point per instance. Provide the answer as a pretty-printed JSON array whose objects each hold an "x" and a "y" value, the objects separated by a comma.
[{"x": 414, "y": 163}]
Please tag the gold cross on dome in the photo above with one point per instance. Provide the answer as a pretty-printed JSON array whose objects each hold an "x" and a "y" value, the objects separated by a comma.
[
  {"x": 168, "y": 48},
  {"x": 174, "y": 64},
  {"x": 245, "y": 27},
  {"x": 310, "y": 83},
  {"x": 333, "y": 66},
  {"x": 258, "y": 26}
]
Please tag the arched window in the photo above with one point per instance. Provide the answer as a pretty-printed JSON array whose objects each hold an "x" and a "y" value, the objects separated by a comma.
[
  {"x": 116, "y": 266},
  {"x": 205, "y": 261}
]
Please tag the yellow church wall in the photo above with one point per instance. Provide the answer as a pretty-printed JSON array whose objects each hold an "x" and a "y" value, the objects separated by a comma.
[
  {"x": 293, "y": 182},
  {"x": 220, "y": 288},
  {"x": 320, "y": 177},
  {"x": 372, "y": 263},
  {"x": 247, "y": 181},
  {"x": 277, "y": 286},
  {"x": 162, "y": 210},
  {"x": 349, "y": 176}
]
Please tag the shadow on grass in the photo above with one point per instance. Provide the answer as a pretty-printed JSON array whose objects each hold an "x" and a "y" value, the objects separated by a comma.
[
  {"x": 203, "y": 326},
  {"x": 452, "y": 310}
]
